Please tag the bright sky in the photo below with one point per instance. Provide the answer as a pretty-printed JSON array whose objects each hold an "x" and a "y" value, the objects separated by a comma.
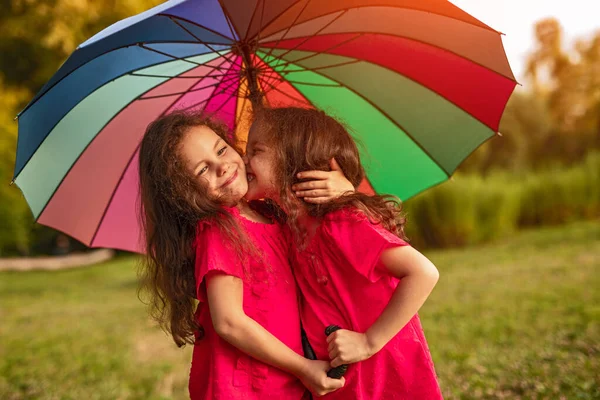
[{"x": 516, "y": 18}]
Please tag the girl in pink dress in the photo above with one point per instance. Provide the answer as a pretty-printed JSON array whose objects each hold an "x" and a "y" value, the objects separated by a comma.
[
  {"x": 351, "y": 262},
  {"x": 205, "y": 242}
]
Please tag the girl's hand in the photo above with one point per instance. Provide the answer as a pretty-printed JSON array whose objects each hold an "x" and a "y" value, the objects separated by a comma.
[
  {"x": 347, "y": 347},
  {"x": 314, "y": 377},
  {"x": 324, "y": 186}
]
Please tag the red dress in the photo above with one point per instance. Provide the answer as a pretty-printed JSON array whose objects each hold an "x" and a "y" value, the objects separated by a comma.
[
  {"x": 219, "y": 370},
  {"x": 343, "y": 283}
]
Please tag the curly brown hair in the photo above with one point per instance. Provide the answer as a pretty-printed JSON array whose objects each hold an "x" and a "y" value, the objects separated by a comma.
[
  {"x": 307, "y": 139},
  {"x": 172, "y": 205}
]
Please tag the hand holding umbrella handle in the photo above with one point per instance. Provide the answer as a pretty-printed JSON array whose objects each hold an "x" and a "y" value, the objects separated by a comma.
[{"x": 339, "y": 371}]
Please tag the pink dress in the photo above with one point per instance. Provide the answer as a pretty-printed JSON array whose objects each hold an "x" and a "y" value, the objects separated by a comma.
[
  {"x": 219, "y": 370},
  {"x": 342, "y": 283}
]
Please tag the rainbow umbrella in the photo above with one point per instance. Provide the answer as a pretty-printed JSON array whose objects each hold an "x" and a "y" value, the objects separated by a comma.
[{"x": 421, "y": 83}]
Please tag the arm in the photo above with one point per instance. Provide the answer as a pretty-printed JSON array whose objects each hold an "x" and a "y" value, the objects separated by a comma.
[
  {"x": 418, "y": 278},
  {"x": 323, "y": 186},
  {"x": 225, "y": 296}
]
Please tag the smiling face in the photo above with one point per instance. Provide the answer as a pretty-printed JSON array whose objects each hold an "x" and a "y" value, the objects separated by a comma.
[
  {"x": 215, "y": 165},
  {"x": 260, "y": 166}
]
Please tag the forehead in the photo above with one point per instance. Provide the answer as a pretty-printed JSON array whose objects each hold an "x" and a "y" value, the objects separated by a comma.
[
  {"x": 201, "y": 133},
  {"x": 256, "y": 134},
  {"x": 198, "y": 140}
]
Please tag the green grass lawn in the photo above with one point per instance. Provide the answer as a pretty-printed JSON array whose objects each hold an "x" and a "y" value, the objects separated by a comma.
[{"x": 516, "y": 319}]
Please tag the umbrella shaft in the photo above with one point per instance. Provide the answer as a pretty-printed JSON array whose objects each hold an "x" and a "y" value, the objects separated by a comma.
[{"x": 251, "y": 73}]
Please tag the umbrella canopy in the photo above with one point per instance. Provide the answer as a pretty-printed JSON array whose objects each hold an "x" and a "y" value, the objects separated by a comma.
[{"x": 420, "y": 83}]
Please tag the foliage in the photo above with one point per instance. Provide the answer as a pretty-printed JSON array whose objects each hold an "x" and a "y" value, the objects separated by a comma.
[
  {"x": 472, "y": 209},
  {"x": 15, "y": 217}
]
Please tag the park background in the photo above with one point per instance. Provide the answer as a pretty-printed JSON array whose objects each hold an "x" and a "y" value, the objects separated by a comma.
[{"x": 515, "y": 233}]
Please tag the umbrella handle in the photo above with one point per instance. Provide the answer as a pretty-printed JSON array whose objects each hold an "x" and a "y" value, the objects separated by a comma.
[{"x": 339, "y": 371}]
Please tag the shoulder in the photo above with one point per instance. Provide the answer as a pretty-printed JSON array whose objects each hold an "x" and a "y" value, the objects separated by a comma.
[
  {"x": 211, "y": 228},
  {"x": 350, "y": 221},
  {"x": 347, "y": 216}
]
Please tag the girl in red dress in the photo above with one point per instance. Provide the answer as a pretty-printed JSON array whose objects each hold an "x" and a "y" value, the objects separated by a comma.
[
  {"x": 351, "y": 261},
  {"x": 205, "y": 242}
]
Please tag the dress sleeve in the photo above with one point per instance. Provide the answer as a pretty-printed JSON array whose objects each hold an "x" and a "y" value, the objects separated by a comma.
[
  {"x": 214, "y": 254},
  {"x": 360, "y": 242}
]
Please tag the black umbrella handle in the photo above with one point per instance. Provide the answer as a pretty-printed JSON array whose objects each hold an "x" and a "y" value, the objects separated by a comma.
[{"x": 339, "y": 371}]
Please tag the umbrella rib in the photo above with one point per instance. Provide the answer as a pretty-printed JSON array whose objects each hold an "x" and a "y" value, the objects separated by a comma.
[
  {"x": 262, "y": 14},
  {"x": 414, "y": 80},
  {"x": 303, "y": 41},
  {"x": 174, "y": 20},
  {"x": 87, "y": 62},
  {"x": 139, "y": 97},
  {"x": 322, "y": 67},
  {"x": 390, "y": 118},
  {"x": 178, "y": 77},
  {"x": 245, "y": 98},
  {"x": 122, "y": 174},
  {"x": 317, "y": 53},
  {"x": 314, "y": 84},
  {"x": 313, "y": 55},
  {"x": 291, "y": 26},
  {"x": 231, "y": 39},
  {"x": 104, "y": 84},
  {"x": 280, "y": 14},
  {"x": 307, "y": 38},
  {"x": 142, "y": 45},
  {"x": 426, "y": 44},
  {"x": 229, "y": 20},
  {"x": 482, "y": 26},
  {"x": 251, "y": 20},
  {"x": 306, "y": 101},
  {"x": 158, "y": 96}
]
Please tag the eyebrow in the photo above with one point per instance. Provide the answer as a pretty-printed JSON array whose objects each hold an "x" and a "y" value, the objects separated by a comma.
[{"x": 219, "y": 140}]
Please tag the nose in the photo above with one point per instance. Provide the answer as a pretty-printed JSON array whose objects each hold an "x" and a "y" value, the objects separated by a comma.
[
  {"x": 245, "y": 158},
  {"x": 222, "y": 168}
]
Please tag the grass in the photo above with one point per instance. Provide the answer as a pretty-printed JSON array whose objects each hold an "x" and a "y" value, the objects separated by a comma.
[{"x": 517, "y": 319}]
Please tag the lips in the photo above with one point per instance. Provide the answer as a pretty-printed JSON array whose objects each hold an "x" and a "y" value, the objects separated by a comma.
[{"x": 230, "y": 180}]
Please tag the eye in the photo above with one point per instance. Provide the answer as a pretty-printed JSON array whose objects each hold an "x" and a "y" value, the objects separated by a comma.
[
  {"x": 222, "y": 150},
  {"x": 203, "y": 170}
]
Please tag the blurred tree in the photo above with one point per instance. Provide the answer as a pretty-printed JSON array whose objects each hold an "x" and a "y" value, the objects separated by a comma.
[
  {"x": 556, "y": 117},
  {"x": 568, "y": 79},
  {"x": 36, "y": 37},
  {"x": 15, "y": 217}
]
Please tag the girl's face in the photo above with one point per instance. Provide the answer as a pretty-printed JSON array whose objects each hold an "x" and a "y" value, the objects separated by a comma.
[
  {"x": 215, "y": 164},
  {"x": 260, "y": 166}
]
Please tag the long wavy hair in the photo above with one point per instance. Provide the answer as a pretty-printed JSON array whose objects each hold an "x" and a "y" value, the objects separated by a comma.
[
  {"x": 172, "y": 205},
  {"x": 307, "y": 139}
]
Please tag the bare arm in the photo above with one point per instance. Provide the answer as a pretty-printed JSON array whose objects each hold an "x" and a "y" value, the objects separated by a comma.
[
  {"x": 418, "y": 278},
  {"x": 225, "y": 299}
]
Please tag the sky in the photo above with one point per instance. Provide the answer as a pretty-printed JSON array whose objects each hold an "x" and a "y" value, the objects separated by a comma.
[{"x": 515, "y": 18}]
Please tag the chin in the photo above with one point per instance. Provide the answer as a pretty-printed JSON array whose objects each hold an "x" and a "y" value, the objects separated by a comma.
[{"x": 253, "y": 195}]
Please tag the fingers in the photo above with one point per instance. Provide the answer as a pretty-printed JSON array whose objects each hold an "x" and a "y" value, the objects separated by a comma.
[
  {"x": 334, "y": 353},
  {"x": 334, "y": 165},
  {"x": 312, "y": 193},
  {"x": 311, "y": 185},
  {"x": 317, "y": 200},
  {"x": 331, "y": 385},
  {"x": 337, "y": 361},
  {"x": 335, "y": 384},
  {"x": 315, "y": 174}
]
